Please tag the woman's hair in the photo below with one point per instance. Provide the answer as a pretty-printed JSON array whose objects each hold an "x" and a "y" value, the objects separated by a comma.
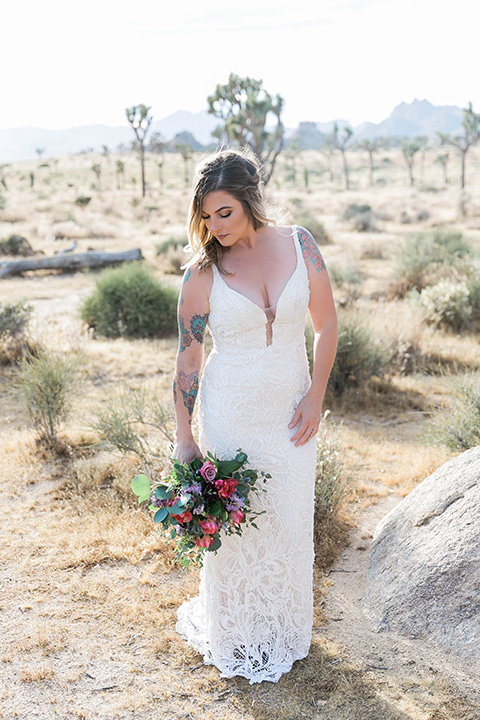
[{"x": 238, "y": 173}]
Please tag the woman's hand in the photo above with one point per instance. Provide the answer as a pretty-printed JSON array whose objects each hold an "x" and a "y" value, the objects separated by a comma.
[
  {"x": 185, "y": 451},
  {"x": 307, "y": 417}
]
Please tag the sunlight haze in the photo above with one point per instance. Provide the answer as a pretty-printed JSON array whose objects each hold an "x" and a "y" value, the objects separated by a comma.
[{"x": 79, "y": 64}]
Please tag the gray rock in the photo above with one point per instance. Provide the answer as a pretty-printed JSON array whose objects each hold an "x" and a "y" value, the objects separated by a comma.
[{"x": 424, "y": 574}]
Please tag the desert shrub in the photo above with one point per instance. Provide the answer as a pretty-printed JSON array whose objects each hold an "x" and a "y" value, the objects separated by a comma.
[
  {"x": 48, "y": 383},
  {"x": 374, "y": 251},
  {"x": 14, "y": 319},
  {"x": 353, "y": 210},
  {"x": 16, "y": 245},
  {"x": 82, "y": 200},
  {"x": 360, "y": 217},
  {"x": 128, "y": 301},
  {"x": 473, "y": 286},
  {"x": 124, "y": 419},
  {"x": 457, "y": 425},
  {"x": 314, "y": 226},
  {"x": 447, "y": 304},
  {"x": 172, "y": 242},
  {"x": 172, "y": 262},
  {"x": 359, "y": 355},
  {"x": 341, "y": 275},
  {"x": 329, "y": 482},
  {"x": 423, "y": 256}
]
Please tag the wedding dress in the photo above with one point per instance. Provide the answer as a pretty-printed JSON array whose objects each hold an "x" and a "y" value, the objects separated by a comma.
[{"x": 253, "y": 614}]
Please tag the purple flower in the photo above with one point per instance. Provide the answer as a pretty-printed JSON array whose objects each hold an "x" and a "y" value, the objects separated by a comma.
[
  {"x": 194, "y": 488},
  {"x": 199, "y": 509},
  {"x": 208, "y": 471},
  {"x": 235, "y": 502}
]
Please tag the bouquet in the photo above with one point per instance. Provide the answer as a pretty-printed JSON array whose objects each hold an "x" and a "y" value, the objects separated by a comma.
[{"x": 200, "y": 500}]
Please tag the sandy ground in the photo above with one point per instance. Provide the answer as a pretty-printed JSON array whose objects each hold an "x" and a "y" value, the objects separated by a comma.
[{"x": 63, "y": 656}]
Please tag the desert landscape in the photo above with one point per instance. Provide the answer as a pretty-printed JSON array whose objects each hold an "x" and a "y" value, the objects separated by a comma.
[{"x": 89, "y": 591}]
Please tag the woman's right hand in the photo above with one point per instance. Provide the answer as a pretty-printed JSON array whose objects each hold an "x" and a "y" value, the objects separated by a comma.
[{"x": 186, "y": 450}]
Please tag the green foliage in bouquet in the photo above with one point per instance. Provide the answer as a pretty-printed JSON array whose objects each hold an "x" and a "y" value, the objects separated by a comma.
[{"x": 201, "y": 499}]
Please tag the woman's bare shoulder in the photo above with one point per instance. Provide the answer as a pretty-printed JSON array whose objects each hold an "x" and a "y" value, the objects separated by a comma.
[{"x": 199, "y": 279}]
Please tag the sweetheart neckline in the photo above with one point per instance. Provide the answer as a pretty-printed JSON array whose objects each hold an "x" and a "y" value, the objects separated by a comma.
[{"x": 264, "y": 310}]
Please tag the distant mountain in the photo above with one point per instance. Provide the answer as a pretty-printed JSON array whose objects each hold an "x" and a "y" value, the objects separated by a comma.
[
  {"x": 18, "y": 144},
  {"x": 200, "y": 125},
  {"x": 419, "y": 117}
]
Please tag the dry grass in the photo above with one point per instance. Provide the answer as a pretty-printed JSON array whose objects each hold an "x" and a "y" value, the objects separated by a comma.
[{"x": 91, "y": 591}]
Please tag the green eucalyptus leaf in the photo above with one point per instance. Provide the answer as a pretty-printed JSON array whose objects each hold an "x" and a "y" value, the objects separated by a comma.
[
  {"x": 160, "y": 515},
  {"x": 141, "y": 487},
  {"x": 163, "y": 492},
  {"x": 215, "y": 545}
]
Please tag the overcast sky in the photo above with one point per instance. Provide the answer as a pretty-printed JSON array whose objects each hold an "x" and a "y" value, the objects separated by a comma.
[{"x": 65, "y": 63}]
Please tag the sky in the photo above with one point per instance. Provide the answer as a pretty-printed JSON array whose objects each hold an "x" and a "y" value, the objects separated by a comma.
[{"x": 66, "y": 64}]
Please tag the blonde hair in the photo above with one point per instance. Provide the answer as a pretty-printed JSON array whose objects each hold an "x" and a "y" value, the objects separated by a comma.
[{"x": 238, "y": 173}]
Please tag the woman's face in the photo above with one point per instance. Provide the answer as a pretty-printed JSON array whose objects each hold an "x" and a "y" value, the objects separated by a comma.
[{"x": 226, "y": 218}]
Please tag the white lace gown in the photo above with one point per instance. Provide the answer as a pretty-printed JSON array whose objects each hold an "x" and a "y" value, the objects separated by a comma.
[{"x": 253, "y": 614}]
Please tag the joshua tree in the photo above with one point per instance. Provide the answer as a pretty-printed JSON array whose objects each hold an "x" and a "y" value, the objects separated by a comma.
[
  {"x": 185, "y": 150},
  {"x": 328, "y": 152},
  {"x": 139, "y": 118},
  {"x": 410, "y": 148},
  {"x": 339, "y": 139},
  {"x": 245, "y": 108},
  {"x": 291, "y": 153},
  {"x": 463, "y": 143},
  {"x": 120, "y": 173},
  {"x": 442, "y": 159},
  {"x": 158, "y": 145},
  {"x": 97, "y": 169},
  {"x": 371, "y": 147},
  {"x": 40, "y": 152}
]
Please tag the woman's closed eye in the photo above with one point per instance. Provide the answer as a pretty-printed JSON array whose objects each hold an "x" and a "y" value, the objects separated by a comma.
[{"x": 207, "y": 217}]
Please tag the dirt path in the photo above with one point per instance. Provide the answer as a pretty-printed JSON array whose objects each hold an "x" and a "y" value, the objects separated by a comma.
[{"x": 385, "y": 655}]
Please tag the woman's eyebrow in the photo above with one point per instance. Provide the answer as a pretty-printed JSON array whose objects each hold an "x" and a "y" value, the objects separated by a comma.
[{"x": 224, "y": 207}]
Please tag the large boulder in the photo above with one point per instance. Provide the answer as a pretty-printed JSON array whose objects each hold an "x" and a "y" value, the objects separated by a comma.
[{"x": 424, "y": 574}]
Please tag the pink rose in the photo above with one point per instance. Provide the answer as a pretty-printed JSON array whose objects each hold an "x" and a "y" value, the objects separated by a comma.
[
  {"x": 185, "y": 516},
  {"x": 208, "y": 471},
  {"x": 209, "y": 526},
  {"x": 204, "y": 541},
  {"x": 226, "y": 487},
  {"x": 236, "y": 516}
]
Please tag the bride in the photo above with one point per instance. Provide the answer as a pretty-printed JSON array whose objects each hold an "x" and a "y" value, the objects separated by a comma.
[{"x": 251, "y": 282}]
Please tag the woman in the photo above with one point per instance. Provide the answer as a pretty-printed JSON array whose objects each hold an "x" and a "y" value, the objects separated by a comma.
[{"x": 252, "y": 282}]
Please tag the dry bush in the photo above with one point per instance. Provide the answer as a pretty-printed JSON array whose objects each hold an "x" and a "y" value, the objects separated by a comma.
[
  {"x": 360, "y": 354},
  {"x": 171, "y": 261},
  {"x": 457, "y": 424},
  {"x": 48, "y": 384},
  {"x": 374, "y": 251},
  {"x": 129, "y": 301},
  {"x": 402, "y": 327}
]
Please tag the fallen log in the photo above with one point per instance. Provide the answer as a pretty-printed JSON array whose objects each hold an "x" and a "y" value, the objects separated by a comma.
[{"x": 69, "y": 261}]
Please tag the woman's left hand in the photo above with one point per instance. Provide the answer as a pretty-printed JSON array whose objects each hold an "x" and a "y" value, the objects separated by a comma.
[{"x": 307, "y": 416}]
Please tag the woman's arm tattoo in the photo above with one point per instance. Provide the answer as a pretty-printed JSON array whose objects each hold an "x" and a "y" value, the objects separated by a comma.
[
  {"x": 185, "y": 337},
  {"x": 198, "y": 324},
  {"x": 188, "y": 386},
  {"x": 310, "y": 250}
]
